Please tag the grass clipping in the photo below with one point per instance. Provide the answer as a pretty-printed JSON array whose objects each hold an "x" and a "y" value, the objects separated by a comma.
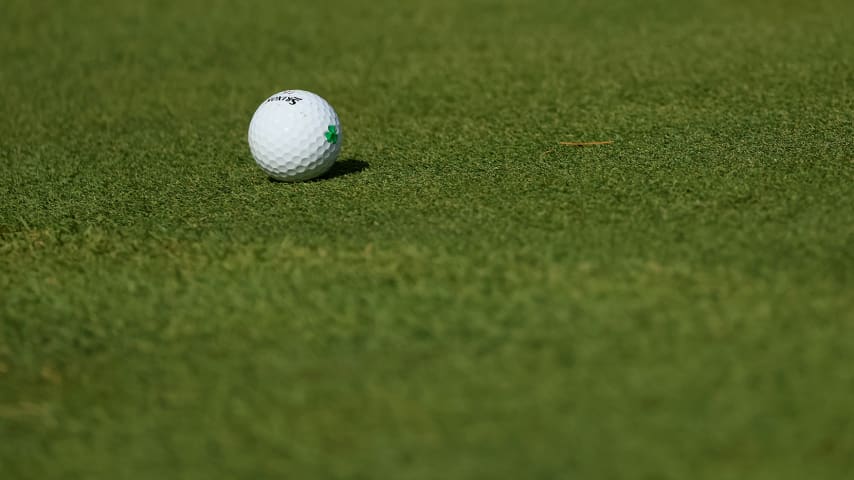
[{"x": 587, "y": 144}]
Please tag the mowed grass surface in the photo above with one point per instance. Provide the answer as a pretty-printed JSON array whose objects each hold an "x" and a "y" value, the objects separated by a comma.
[{"x": 461, "y": 298}]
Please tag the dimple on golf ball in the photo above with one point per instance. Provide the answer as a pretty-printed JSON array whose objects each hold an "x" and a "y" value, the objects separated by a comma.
[{"x": 295, "y": 135}]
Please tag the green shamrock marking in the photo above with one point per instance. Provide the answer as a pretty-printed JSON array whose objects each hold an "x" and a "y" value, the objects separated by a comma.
[{"x": 332, "y": 134}]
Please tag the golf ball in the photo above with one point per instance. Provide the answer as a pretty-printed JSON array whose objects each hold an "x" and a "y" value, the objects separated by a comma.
[{"x": 295, "y": 135}]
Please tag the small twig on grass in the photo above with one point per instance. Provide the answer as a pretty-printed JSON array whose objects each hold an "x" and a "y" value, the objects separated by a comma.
[{"x": 586, "y": 144}]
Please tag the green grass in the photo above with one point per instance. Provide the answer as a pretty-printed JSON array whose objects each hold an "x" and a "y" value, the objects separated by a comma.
[{"x": 462, "y": 298}]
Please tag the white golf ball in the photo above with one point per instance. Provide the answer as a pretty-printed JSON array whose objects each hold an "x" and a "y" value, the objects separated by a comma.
[{"x": 295, "y": 135}]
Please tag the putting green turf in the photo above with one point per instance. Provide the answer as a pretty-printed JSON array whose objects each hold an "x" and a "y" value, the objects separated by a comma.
[{"x": 462, "y": 297}]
